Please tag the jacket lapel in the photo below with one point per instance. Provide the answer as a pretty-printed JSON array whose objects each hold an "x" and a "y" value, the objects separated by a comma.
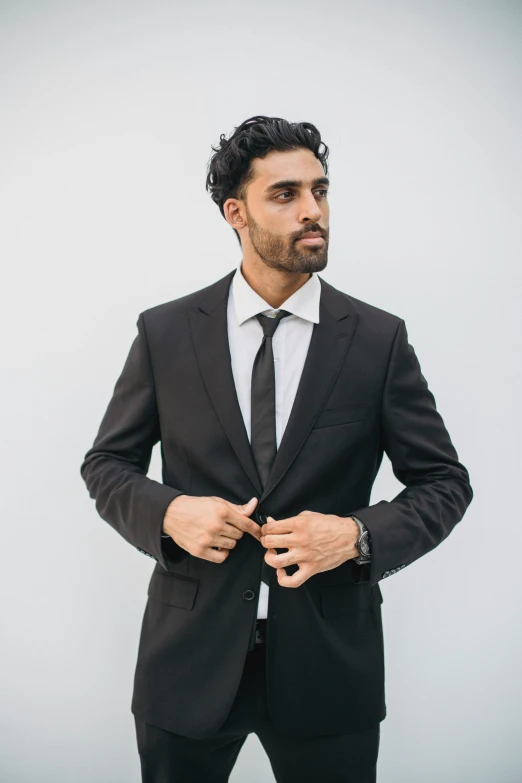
[
  {"x": 208, "y": 322},
  {"x": 329, "y": 344}
]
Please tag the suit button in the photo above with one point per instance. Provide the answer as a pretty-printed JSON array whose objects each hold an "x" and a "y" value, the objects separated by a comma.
[
  {"x": 261, "y": 518},
  {"x": 248, "y": 595}
]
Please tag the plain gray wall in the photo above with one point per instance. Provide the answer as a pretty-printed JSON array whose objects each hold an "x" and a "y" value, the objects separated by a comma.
[{"x": 109, "y": 111}]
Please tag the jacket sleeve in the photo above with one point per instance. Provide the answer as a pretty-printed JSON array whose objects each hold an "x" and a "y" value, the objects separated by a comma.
[
  {"x": 423, "y": 458},
  {"x": 115, "y": 468}
]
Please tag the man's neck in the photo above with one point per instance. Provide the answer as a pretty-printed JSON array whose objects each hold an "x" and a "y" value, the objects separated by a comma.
[{"x": 272, "y": 285}]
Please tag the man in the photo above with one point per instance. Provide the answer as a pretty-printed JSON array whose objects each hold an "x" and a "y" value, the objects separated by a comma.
[{"x": 274, "y": 396}]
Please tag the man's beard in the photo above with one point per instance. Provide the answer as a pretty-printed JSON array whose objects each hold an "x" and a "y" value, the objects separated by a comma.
[{"x": 278, "y": 252}]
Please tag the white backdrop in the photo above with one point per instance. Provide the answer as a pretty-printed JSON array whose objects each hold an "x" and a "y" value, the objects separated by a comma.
[{"x": 109, "y": 111}]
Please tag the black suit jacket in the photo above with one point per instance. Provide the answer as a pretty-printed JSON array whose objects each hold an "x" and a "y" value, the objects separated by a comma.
[{"x": 361, "y": 393}]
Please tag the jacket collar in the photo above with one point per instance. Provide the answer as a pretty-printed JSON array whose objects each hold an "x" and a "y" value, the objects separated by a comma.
[{"x": 304, "y": 302}]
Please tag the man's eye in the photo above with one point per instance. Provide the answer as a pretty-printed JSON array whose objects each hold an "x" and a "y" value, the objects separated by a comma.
[{"x": 324, "y": 191}]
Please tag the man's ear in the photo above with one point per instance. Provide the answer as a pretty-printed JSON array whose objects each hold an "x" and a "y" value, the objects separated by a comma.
[{"x": 233, "y": 215}]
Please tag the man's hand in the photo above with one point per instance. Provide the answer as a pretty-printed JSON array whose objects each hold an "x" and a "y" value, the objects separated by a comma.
[
  {"x": 316, "y": 542},
  {"x": 207, "y": 527}
]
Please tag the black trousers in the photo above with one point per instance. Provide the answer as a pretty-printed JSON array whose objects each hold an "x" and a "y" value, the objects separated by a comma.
[{"x": 338, "y": 758}]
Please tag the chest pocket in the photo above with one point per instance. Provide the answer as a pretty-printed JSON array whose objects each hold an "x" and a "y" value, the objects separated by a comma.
[{"x": 349, "y": 414}]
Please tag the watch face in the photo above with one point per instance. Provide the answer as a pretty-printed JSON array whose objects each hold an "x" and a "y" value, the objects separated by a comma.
[{"x": 364, "y": 544}]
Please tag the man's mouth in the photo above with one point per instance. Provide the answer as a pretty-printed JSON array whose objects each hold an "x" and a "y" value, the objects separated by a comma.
[{"x": 312, "y": 239}]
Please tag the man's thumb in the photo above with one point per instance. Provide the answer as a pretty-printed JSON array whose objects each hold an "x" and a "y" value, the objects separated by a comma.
[{"x": 250, "y": 504}]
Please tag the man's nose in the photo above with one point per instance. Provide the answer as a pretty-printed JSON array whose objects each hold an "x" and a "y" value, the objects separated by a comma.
[{"x": 311, "y": 211}]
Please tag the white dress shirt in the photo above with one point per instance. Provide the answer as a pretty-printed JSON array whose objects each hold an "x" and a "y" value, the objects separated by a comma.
[{"x": 290, "y": 345}]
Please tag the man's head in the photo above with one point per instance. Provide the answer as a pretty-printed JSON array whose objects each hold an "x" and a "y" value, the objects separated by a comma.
[{"x": 269, "y": 181}]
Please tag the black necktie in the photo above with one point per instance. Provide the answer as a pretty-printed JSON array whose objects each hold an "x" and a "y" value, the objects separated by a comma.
[{"x": 263, "y": 423}]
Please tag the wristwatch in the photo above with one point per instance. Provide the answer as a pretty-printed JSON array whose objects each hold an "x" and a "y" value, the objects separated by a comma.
[{"x": 363, "y": 543}]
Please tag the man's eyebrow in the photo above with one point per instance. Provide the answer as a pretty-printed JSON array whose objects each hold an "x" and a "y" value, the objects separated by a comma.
[{"x": 295, "y": 183}]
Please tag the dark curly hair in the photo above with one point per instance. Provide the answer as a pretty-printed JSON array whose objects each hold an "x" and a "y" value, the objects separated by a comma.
[{"x": 229, "y": 171}]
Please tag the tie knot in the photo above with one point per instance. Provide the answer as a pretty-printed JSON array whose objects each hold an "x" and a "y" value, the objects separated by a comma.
[{"x": 270, "y": 324}]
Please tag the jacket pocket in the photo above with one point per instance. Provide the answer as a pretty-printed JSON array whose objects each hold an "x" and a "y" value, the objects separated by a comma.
[
  {"x": 350, "y": 414},
  {"x": 338, "y": 601},
  {"x": 174, "y": 590}
]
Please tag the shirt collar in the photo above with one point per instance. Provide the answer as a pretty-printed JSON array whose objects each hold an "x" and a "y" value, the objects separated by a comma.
[{"x": 304, "y": 302}]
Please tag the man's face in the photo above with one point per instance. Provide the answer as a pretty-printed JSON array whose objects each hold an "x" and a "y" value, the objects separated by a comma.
[{"x": 286, "y": 201}]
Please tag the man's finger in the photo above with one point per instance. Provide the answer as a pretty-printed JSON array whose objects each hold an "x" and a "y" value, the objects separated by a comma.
[
  {"x": 245, "y": 508},
  {"x": 240, "y": 520},
  {"x": 271, "y": 540},
  {"x": 283, "y": 559},
  {"x": 279, "y": 525},
  {"x": 297, "y": 579}
]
